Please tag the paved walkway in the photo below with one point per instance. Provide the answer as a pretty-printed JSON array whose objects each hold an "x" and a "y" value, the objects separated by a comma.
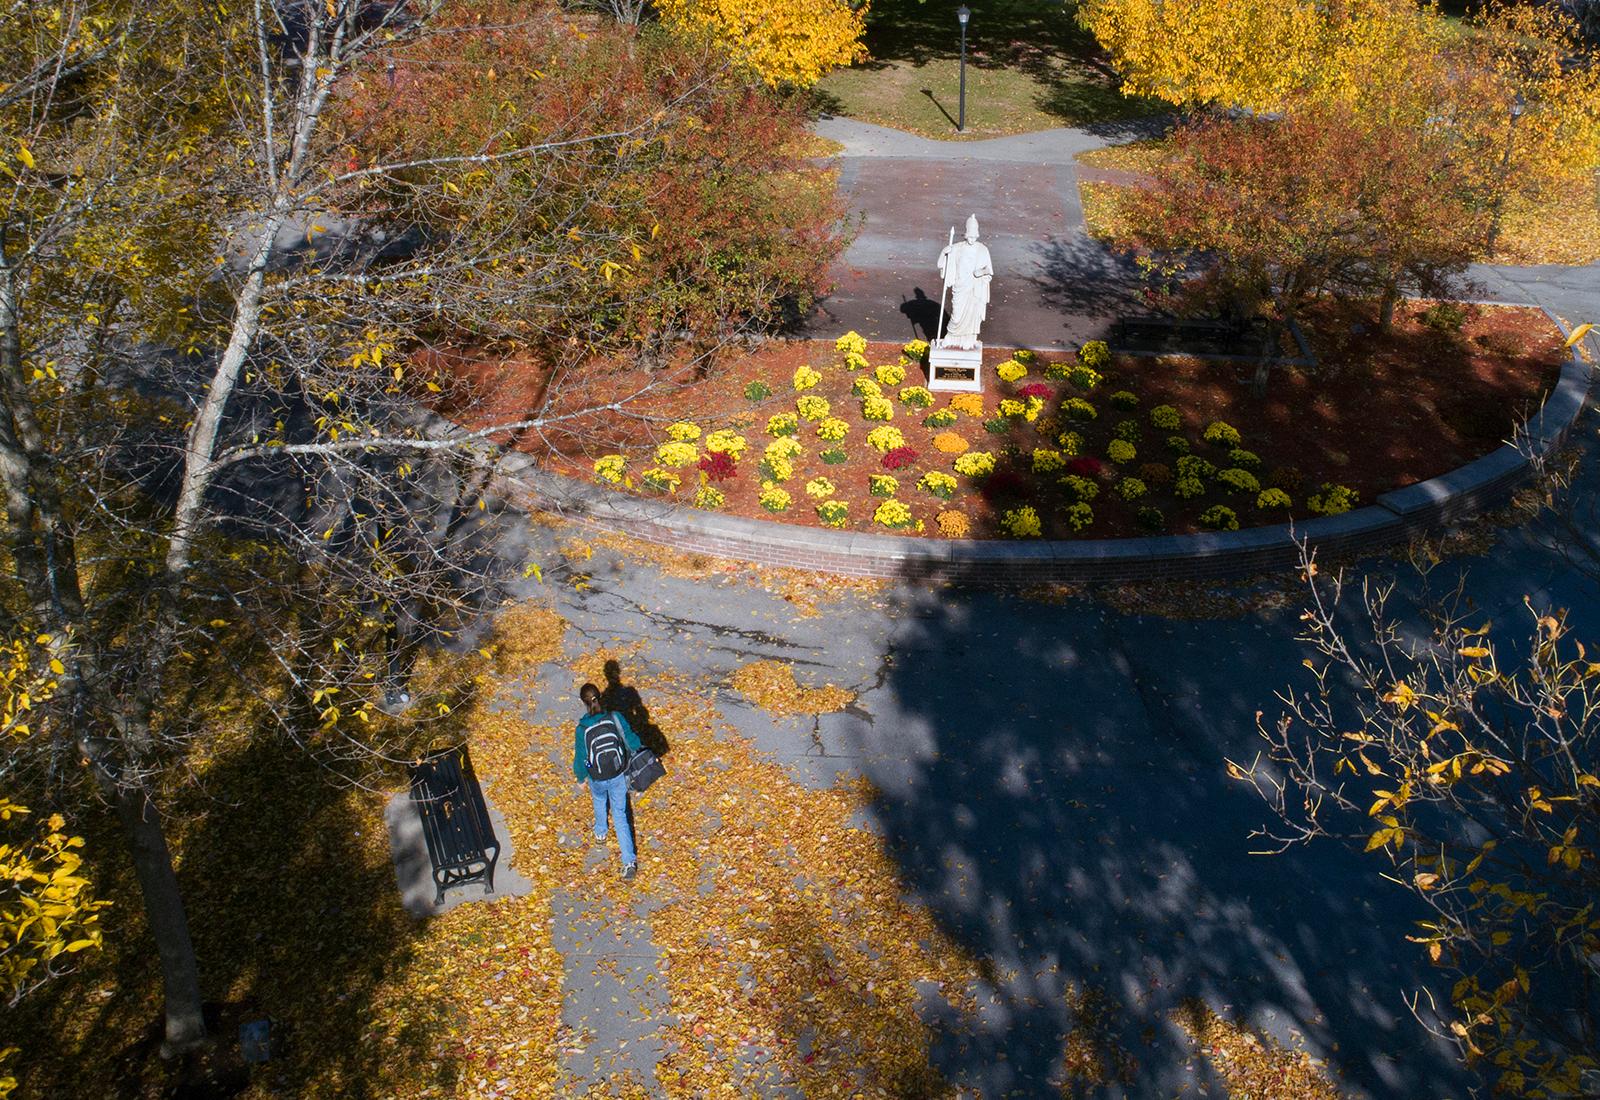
[{"x": 1054, "y": 286}]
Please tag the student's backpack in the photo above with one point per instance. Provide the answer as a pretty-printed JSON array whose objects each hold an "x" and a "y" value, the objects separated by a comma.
[{"x": 607, "y": 753}]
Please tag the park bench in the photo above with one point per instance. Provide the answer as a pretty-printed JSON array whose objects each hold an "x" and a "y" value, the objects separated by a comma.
[{"x": 455, "y": 820}]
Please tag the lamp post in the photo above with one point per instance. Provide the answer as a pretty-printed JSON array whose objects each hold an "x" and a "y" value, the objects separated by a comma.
[
  {"x": 1518, "y": 106},
  {"x": 963, "y": 13}
]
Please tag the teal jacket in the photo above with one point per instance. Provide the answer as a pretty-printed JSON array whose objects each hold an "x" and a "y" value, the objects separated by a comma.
[{"x": 580, "y": 766}]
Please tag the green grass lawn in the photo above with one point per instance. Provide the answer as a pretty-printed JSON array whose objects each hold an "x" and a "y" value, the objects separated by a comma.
[{"x": 1029, "y": 67}]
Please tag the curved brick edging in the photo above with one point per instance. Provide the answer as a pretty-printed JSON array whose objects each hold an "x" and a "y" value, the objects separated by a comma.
[{"x": 1396, "y": 516}]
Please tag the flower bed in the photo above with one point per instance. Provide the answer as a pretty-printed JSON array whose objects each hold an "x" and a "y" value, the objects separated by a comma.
[{"x": 1087, "y": 445}]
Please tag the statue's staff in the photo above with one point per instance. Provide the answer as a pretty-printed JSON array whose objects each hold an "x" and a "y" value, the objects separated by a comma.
[{"x": 938, "y": 332}]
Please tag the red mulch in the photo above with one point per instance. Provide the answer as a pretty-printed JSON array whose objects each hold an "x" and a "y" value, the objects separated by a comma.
[{"x": 1378, "y": 413}]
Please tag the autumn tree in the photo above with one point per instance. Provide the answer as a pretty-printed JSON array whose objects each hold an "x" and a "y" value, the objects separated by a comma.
[
  {"x": 1461, "y": 754},
  {"x": 783, "y": 44},
  {"x": 214, "y": 327},
  {"x": 1290, "y": 208}
]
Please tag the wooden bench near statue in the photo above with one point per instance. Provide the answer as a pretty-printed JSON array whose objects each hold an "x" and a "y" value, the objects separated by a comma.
[{"x": 462, "y": 847}]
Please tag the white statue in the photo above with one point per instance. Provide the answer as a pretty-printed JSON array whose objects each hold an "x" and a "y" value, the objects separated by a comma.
[{"x": 966, "y": 268}]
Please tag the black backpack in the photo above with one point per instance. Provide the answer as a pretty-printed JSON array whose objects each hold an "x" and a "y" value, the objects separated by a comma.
[{"x": 607, "y": 753}]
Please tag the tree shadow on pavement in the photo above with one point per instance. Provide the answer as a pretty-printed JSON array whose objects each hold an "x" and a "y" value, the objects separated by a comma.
[
  {"x": 1080, "y": 275},
  {"x": 1052, "y": 782}
]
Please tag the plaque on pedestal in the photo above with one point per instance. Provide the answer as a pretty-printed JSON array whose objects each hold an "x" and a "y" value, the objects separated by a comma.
[{"x": 955, "y": 368}]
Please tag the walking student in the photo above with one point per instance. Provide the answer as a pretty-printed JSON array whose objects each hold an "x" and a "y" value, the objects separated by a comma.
[{"x": 601, "y": 745}]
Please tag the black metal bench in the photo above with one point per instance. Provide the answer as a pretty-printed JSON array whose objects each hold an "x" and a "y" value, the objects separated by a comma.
[{"x": 455, "y": 820}]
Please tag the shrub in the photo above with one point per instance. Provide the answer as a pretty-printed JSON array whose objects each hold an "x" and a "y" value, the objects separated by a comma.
[
  {"x": 950, "y": 443},
  {"x": 1126, "y": 400},
  {"x": 1121, "y": 451},
  {"x": 1058, "y": 372},
  {"x": 834, "y": 455},
  {"x": 757, "y": 391},
  {"x": 785, "y": 448},
  {"x": 1076, "y": 408},
  {"x": 774, "y": 499},
  {"x": 1128, "y": 430},
  {"x": 709, "y": 497},
  {"x": 975, "y": 464},
  {"x": 876, "y": 408},
  {"x": 1240, "y": 481},
  {"x": 918, "y": 397},
  {"x": 1085, "y": 378},
  {"x": 997, "y": 426},
  {"x": 1186, "y": 488},
  {"x": 890, "y": 374},
  {"x": 1011, "y": 408},
  {"x": 610, "y": 468},
  {"x": 1071, "y": 443},
  {"x": 883, "y": 485},
  {"x": 885, "y": 439},
  {"x": 1219, "y": 433},
  {"x": 1036, "y": 390},
  {"x": 1165, "y": 418},
  {"x": 783, "y": 424},
  {"x": 726, "y": 441},
  {"x": 1155, "y": 473},
  {"x": 1021, "y": 523},
  {"x": 1078, "y": 516},
  {"x": 1095, "y": 354},
  {"x": 662, "y": 481},
  {"x": 718, "y": 465},
  {"x": 916, "y": 351},
  {"x": 677, "y": 455},
  {"x": 940, "y": 484},
  {"x": 1035, "y": 406},
  {"x": 1273, "y": 499},
  {"x": 811, "y": 407},
  {"x": 1011, "y": 371},
  {"x": 819, "y": 488},
  {"x": 833, "y": 513},
  {"x": 683, "y": 432},
  {"x": 833, "y": 429},
  {"x": 1287, "y": 478},
  {"x": 952, "y": 524},
  {"x": 805, "y": 378},
  {"x": 1246, "y": 460},
  {"x": 1081, "y": 488},
  {"x": 1177, "y": 444},
  {"x": 1026, "y": 356},
  {"x": 1152, "y": 519},
  {"x": 1196, "y": 467},
  {"x": 1046, "y": 461},
  {"x": 776, "y": 468},
  {"x": 1131, "y": 488},
  {"x": 854, "y": 361},
  {"x": 866, "y": 387},
  {"x": 1004, "y": 485},
  {"x": 898, "y": 458},
  {"x": 969, "y": 403},
  {"x": 939, "y": 418},
  {"x": 1331, "y": 500},
  {"x": 892, "y": 514},
  {"x": 1086, "y": 466},
  {"x": 1219, "y": 517},
  {"x": 1444, "y": 317},
  {"x": 851, "y": 343}
]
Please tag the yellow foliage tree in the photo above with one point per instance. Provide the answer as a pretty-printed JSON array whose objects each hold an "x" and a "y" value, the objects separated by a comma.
[{"x": 783, "y": 44}]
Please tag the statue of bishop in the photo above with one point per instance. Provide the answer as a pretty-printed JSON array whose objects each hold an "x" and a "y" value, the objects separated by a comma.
[{"x": 966, "y": 267}]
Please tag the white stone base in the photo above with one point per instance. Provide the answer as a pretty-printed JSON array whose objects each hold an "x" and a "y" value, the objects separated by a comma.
[{"x": 955, "y": 368}]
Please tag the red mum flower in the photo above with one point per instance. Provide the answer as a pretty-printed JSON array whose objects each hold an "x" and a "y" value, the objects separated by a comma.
[
  {"x": 1036, "y": 389},
  {"x": 1087, "y": 466},
  {"x": 718, "y": 465},
  {"x": 1003, "y": 485},
  {"x": 899, "y": 457}
]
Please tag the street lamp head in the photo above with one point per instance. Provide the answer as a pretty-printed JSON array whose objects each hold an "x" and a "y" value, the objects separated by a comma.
[
  {"x": 963, "y": 13},
  {"x": 1518, "y": 105}
]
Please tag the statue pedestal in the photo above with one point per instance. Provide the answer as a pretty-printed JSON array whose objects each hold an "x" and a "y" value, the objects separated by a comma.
[{"x": 955, "y": 368}]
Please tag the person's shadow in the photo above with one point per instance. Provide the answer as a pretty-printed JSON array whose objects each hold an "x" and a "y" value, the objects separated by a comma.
[
  {"x": 624, "y": 699},
  {"x": 923, "y": 313}
]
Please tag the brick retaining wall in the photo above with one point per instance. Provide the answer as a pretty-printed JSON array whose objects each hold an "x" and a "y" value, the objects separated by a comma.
[{"x": 1393, "y": 518}]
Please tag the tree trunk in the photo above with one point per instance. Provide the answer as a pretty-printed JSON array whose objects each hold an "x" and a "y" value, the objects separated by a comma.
[
  {"x": 169, "y": 924},
  {"x": 1269, "y": 348},
  {"x": 1391, "y": 294}
]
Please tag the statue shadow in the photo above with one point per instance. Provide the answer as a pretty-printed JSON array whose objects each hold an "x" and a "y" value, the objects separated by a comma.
[{"x": 923, "y": 313}]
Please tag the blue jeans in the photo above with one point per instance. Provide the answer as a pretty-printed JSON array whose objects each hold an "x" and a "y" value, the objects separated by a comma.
[{"x": 614, "y": 791}]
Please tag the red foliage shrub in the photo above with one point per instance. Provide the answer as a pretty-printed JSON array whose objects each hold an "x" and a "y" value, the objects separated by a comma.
[
  {"x": 899, "y": 457},
  {"x": 1040, "y": 390},
  {"x": 1086, "y": 466},
  {"x": 1003, "y": 485},
  {"x": 718, "y": 465}
]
